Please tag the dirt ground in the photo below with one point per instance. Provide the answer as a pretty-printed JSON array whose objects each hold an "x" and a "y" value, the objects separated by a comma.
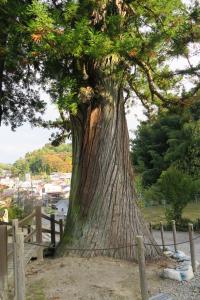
[{"x": 99, "y": 278}]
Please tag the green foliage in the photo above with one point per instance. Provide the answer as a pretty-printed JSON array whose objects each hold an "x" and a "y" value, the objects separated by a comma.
[
  {"x": 153, "y": 196},
  {"x": 150, "y": 146},
  {"x": 4, "y": 167},
  {"x": 197, "y": 186},
  {"x": 73, "y": 44},
  {"x": 42, "y": 20},
  {"x": 14, "y": 212},
  {"x": 177, "y": 189},
  {"x": 20, "y": 167},
  {"x": 81, "y": 42},
  {"x": 139, "y": 189},
  {"x": 19, "y": 98},
  {"x": 157, "y": 213},
  {"x": 172, "y": 138}
]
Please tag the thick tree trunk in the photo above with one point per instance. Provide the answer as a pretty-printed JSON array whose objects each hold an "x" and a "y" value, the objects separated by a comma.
[{"x": 103, "y": 212}]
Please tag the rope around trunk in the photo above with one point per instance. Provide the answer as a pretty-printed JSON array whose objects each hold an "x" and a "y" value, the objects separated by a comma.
[{"x": 114, "y": 248}]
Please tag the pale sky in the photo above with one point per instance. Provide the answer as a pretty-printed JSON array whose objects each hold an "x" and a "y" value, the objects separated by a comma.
[{"x": 14, "y": 145}]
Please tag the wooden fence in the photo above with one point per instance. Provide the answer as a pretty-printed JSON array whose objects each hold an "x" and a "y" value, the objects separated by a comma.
[{"x": 14, "y": 236}]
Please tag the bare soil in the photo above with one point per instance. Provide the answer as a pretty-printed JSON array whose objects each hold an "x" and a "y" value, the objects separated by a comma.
[{"x": 97, "y": 278}]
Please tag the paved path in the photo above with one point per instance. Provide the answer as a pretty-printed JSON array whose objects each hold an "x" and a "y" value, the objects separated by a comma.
[{"x": 181, "y": 237}]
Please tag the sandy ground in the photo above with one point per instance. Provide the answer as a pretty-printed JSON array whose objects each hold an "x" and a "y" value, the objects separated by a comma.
[
  {"x": 74, "y": 278},
  {"x": 96, "y": 278}
]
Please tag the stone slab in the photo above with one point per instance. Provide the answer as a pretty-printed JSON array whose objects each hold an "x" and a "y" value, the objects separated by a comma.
[{"x": 161, "y": 297}]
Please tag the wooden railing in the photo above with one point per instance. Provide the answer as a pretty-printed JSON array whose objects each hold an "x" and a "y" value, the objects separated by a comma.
[{"x": 33, "y": 235}]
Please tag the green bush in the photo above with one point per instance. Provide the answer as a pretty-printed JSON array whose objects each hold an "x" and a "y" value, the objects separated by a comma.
[
  {"x": 14, "y": 212},
  {"x": 153, "y": 196},
  {"x": 177, "y": 189}
]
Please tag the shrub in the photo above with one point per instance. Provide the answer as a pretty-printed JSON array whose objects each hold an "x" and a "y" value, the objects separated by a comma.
[
  {"x": 153, "y": 195},
  {"x": 177, "y": 189},
  {"x": 14, "y": 212}
]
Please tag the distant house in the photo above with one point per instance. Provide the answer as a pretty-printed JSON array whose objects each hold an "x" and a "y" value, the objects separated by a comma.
[
  {"x": 68, "y": 178},
  {"x": 7, "y": 181},
  {"x": 2, "y": 203},
  {"x": 28, "y": 177},
  {"x": 61, "y": 176},
  {"x": 3, "y": 187},
  {"x": 5, "y": 199},
  {"x": 52, "y": 192},
  {"x": 52, "y": 188}
]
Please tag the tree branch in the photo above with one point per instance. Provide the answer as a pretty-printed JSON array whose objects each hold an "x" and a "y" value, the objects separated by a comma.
[{"x": 155, "y": 90}]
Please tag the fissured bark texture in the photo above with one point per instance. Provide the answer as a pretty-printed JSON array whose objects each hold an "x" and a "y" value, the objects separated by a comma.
[{"x": 103, "y": 211}]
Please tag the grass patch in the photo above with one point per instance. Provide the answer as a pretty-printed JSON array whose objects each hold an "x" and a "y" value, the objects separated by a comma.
[
  {"x": 36, "y": 291},
  {"x": 155, "y": 214}
]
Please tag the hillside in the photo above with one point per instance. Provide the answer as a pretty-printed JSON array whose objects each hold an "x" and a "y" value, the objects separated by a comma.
[
  {"x": 4, "y": 167},
  {"x": 46, "y": 160}
]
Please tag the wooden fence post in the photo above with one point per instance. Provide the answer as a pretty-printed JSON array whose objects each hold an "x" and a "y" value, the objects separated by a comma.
[
  {"x": 38, "y": 219},
  {"x": 3, "y": 262},
  {"x": 150, "y": 227},
  {"x": 19, "y": 266},
  {"x": 174, "y": 234},
  {"x": 192, "y": 248},
  {"x": 53, "y": 229},
  {"x": 61, "y": 228},
  {"x": 15, "y": 224},
  {"x": 162, "y": 235},
  {"x": 141, "y": 262},
  {"x": 29, "y": 231}
]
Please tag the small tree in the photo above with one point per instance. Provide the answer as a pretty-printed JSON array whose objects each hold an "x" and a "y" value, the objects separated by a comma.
[{"x": 177, "y": 189}]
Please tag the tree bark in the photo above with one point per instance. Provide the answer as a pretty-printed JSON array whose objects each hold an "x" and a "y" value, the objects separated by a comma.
[
  {"x": 103, "y": 211},
  {"x": 3, "y": 39}
]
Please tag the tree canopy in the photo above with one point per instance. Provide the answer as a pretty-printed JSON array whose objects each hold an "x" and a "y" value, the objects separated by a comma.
[
  {"x": 70, "y": 43},
  {"x": 171, "y": 139},
  {"x": 19, "y": 98},
  {"x": 166, "y": 155}
]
